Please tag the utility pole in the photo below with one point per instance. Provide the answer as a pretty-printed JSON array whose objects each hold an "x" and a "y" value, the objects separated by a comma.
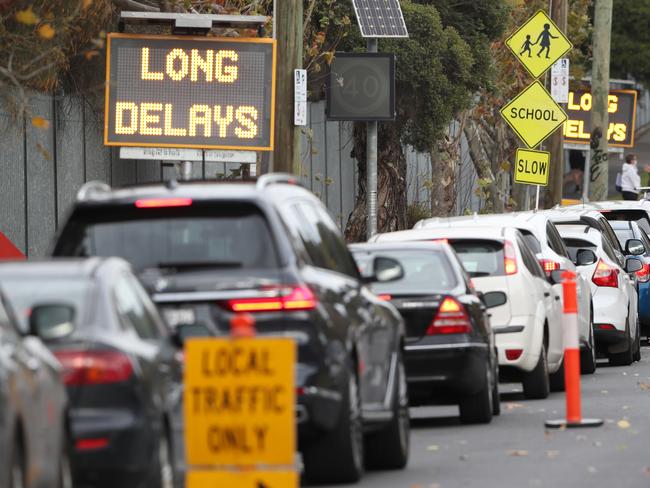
[
  {"x": 559, "y": 12},
  {"x": 599, "y": 160},
  {"x": 371, "y": 163},
  {"x": 289, "y": 31}
]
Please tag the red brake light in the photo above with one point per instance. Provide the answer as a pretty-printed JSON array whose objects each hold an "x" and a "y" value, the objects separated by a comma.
[
  {"x": 450, "y": 319},
  {"x": 288, "y": 298},
  {"x": 643, "y": 275},
  {"x": 441, "y": 241},
  {"x": 163, "y": 202},
  {"x": 549, "y": 265},
  {"x": 513, "y": 354},
  {"x": 385, "y": 297},
  {"x": 605, "y": 275},
  {"x": 605, "y": 327},
  {"x": 91, "y": 444},
  {"x": 83, "y": 367},
  {"x": 509, "y": 258}
]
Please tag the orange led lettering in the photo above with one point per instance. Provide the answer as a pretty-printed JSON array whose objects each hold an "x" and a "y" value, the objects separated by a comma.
[
  {"x": 228, "y": 73},
  {"x": 247, "y": 118},
  {"x": 120, "y": 108},
  {"x": 147, "y": 118},
  {"x": 172, "y": 56},
  {"x": 197, "y": 62},
  {"x": 581, "y": 131},
  {"x": 201, "y": 114},
  {"x": 572, "y": 105},
  {"x": 223, "y": 122},
  {"x": 618, "y": 132},
  {"x": 144, "y": 61},
  {"x": 612, "y": 104},
  {"x": 585, "y": 102},
  {"x": 571, "y": 129},
  {"x": 169, "y": 116}
]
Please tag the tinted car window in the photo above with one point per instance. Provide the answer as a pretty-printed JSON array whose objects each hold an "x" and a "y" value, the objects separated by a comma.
[
  {"x": 638, "y": 216},
  {"x": 424, "y": 272},
  {"x": 529, "y": 259},
  {"x": 230, "y": 234},
  {"x": 624, "y": 235},
  {"x": 26, "y": 293},
  {"x": 132, "y": 310},
  {"x": 573, "y": 245},
  {"x": 531, "y": 241},
  {"x": 480, "y": 257},
  {"x": 334, "y": 242},
  {"x": 556, "y": 239},
  {"x": 306, "y": 219}
]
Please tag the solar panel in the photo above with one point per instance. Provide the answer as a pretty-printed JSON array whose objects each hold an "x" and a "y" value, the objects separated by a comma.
[{"x": 380, "y": 18}]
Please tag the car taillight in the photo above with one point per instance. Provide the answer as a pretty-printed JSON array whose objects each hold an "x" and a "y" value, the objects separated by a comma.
[
  {"x": 85, "y": 367},
  {"x": 163, "y": 202},
  {"x": 549, "y": 265},
  {"x": 509, "y": 258},
  {"x": 605, "y": 326},
  {"x": 441, "y": 241},
  {"x": 385, "y": 297},
  {"x": 643, "y": 275},
  {"x": 605, "y": 275},
  {"x": 450, "y": 319},
  {"x": 292, "y": 298}
]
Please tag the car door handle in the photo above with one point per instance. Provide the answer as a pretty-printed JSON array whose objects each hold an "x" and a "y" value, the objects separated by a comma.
[
  {"x": 547, "y": 294},
  {"x": 558, "y": 298}
]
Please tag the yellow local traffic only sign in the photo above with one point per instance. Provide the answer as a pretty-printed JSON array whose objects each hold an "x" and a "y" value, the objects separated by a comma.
[
  {"x": 239, "y": 403},
  {"x": 242, "y": 479},
  {"x": 532, "y": 167},
  {"x": 533, "y": 114},
  {"x": 538, "y": 44}
]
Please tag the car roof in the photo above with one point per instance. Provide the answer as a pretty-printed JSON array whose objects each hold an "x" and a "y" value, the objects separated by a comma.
[
  {"x": 58, "y": 268},
  {"x": 487, "y": 232},
  {"x": 611, "y": 205},
  {"x": 398, "y": 246},
  {"x": 477, "y": 219},
  {"x": 563, "y": 214},
  {"x": 575, "y": 229}
]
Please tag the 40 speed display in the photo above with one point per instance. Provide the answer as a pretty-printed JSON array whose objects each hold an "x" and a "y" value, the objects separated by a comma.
[{"x": 196, "y": 92}]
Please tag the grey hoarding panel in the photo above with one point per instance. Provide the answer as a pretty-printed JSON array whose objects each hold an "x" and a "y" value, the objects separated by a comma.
[
  {"x": 12, "y": 179},
  {"x": 69, "y": 143}
]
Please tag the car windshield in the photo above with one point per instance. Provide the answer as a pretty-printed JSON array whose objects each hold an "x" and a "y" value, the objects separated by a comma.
[
  {"x": 25, "y": 293},
  {"x": 623, "y": 235},
  {"x": 573, "y": 245},
  {"x": 424, "y": 271},
  {"x": 635, "y": 215},
  {"x": 480, "y": 257},
  {"x": 194, "y": 237}
]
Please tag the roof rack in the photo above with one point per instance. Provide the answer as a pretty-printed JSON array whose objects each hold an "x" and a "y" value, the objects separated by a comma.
[
  {"x": 274, "y": 178},
  {"x": 93, "y": 189}
]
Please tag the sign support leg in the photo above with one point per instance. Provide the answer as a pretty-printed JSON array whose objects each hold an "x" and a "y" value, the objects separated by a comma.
[
  {"x": 537, "y": 199},
  {"x": 371, "y": 163},
  {"x": 586, "y": 176}
]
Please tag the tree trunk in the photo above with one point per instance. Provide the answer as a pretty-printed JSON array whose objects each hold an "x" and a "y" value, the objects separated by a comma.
[
  {"x": 477, "y": 152},
  {"x": 391, "y": 183}
]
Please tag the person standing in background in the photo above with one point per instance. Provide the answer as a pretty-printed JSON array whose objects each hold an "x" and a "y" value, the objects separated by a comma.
[{"x": 630, "y": 179}]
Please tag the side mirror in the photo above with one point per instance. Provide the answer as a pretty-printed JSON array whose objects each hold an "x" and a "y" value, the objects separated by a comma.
[
  {"x": 632, "y": 265},
  {"x": 494, "y": 299},
  {"x": 634, "y": 247},
  {"x": 180, "y": 333},
  {"x": 52, "y": 321},
  {"x": 555, "y": 278},
  {"x": 386, "y": 269},
  {"x": 585, "y": 257}
]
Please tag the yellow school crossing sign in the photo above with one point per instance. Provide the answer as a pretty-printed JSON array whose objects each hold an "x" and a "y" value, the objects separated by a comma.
[
  {"x": 538, "y": 44},
  {"x": 533, "y": 114},
  {"x": 532, "y": 167}
]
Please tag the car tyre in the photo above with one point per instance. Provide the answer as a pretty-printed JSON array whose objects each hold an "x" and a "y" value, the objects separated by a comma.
[
  {"x": 536, "y": 383},
  {"x": 588, "y": 354},
  {"x": 626, "y": 357},
  {"x": 389, "y": 448},
  {"x": 162, "y": 470},
  {"x": 18, "y": 473},
  {"x": 637, "y": 345},
  {"x": 477, "y": 408},
  {"x": 338, "y": 456},
  {"x": 496, "y": 397},
  {"x": 556, "y": 380}
]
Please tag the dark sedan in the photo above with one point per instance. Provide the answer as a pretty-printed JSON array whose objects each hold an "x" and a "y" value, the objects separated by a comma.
[
  {"x": 450, "y": 351},
  {"x": 119, "y": 365},
  {"x": 33, "y": 410}
]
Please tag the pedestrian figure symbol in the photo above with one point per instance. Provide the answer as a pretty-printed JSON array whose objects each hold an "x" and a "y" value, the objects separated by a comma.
[
  {"x": 526, "y": 46},
  {"x": 544, "y": 40}
]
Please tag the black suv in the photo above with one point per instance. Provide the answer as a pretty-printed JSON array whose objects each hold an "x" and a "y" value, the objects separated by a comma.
[{"x": 207, "y": 251}]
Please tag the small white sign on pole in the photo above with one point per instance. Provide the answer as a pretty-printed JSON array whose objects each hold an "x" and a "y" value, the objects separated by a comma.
[
  {"x": 560, "y": 80},
  {"x": 300, "y": 97},
  {"x": 177, "y": 154}
]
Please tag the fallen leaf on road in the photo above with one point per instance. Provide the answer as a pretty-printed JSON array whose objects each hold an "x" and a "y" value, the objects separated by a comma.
[
  {"x": 624, "y": 373},
  {"x": 512, "y": 406},
  {"x": 433, "y": 448},
  {"x": 463, "y": 457},
  {"x": 644, "y": 386},
  {"x": 517, "y": 452},
  {"x": 581, "y": 437},
  {"x": 647, "y": 470},
  {"x": 597, "y": 444},
  {"x": 604, "y": 392},
  {"x": 552, "y": 454},
  {"x": 591, "y": 469},
  {"x": 621, "y": 447},
  {"x": 623, "y": 424},
  {"x": 626, "y": 407}
]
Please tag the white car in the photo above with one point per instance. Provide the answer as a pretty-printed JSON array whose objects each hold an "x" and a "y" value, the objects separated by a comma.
[
  {"x": 544, "y": 240},
  {"x": 528, "y": 326},
  {"x": 616, "y": 324}
]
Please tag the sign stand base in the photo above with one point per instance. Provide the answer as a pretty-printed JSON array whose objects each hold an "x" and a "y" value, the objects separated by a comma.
[{"x": 562, "y": 423}]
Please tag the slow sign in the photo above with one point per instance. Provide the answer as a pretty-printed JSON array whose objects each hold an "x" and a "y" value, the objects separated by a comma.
[
  {"x": 532, "y": 167},
  {"x": 240, "y": 402},
  {"x": 190, "y": 92}
]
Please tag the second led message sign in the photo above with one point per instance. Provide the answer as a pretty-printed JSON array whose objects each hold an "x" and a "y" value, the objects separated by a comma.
[{"x": 197, "y": 92}]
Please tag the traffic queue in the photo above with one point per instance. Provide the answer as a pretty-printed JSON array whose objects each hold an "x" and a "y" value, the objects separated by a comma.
[{"x": 91, "y": 341}]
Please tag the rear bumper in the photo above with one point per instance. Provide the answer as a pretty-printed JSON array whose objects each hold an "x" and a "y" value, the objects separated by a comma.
[
  {"x": 608, "y": 337},
  {"x": 644, "y": 307},
  {"x": 519, "y": 334},
  {"x": 610, "y": 307},
  {"x": 442, "y": 370}
]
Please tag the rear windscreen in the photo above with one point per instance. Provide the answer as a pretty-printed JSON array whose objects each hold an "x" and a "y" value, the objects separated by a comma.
[
  {"x": 232, "y": 235},
  {"x": 425, "y": 272},
  {"x": 573, "y": 245},
  {"x": 638, "y": 216},
  {"x": 532, "y": 241},
  {"x": 480, "y": 257}
]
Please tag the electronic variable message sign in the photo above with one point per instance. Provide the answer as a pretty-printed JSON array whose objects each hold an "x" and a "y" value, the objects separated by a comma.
[
  {"x": 190, "y": 92},
  {"x": 622, "y": 112}
]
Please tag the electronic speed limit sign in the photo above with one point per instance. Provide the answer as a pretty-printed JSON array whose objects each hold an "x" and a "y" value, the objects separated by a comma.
[{"x": 361, "y": 87}]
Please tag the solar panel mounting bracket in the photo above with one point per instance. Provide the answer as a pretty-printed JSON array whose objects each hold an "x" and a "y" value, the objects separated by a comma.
[{"x": 183, "y": 23}]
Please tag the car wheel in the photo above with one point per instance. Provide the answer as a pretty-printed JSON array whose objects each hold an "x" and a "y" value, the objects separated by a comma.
[
  {"x": 338, "y": 456},
  {"x": 588, "y": 355},
  {"x": 17, "y": 476},
  {"x": 162, "y": 471},
  {"x": 536, "y": 383},
  {"x": 496, "y": 397},
  {"x": 637, "y": 345},
  {"x": 626, "y": 357},
  {"x": 389, "y": 448},
  {"x": 477, "y": 408},
  {"x": 556, "y": 380}
]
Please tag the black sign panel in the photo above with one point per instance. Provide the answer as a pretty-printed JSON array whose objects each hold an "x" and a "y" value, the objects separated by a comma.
[
  {"x": 361, "y": 87},
  {"x": 622, "y": 113},
  {"x": 196, "y": 92}
]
